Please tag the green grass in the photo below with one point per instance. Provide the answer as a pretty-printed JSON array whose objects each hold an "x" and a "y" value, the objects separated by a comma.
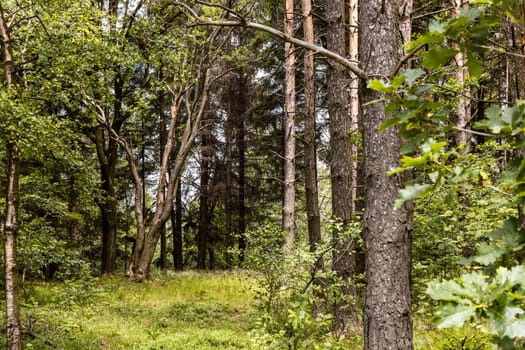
[
  {"x": 189, "y": 310},
  {"x": 180, "y": 311}
]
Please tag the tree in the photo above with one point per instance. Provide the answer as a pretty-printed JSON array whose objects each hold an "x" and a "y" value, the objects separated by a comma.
[
  {"x": 462, "y": 120},
  {"x": 341, "y": 169},
  {"x": 310, "y": 151},
  {"x": 387, "y": 230},
  {"x": 289, "y": 128},
  {"x": 10, "y": 222}
]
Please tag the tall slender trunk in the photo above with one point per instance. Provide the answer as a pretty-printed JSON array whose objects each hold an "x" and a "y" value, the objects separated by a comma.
[
  {"x": 163, "y": 138},
  {"x": 353, "y": 51},
  {"x": 341, "y": 170},
  {"x": 108, "y": 204},
  {"x": 9, "y": 224},
  {"x": 387, "y": 231},
  {"x": 107, "y": 152},
  {"x": 176, "y": 226},
  {"x": 241, "y": 109},
  {"x": 515, "y": 79},
  {"x": 229, "y": 178},
  {"x": 203, "y": 234},
  {"x": 463, "y": 115},
  {"x": 10, "y": 231},
  {"x": 310, "y": 153},
  {"x": 289, "y": 129}
]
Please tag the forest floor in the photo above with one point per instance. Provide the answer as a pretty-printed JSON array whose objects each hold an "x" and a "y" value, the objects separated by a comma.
[
  {"x": 176, "y": 311},
  {"x": 189, "y": 310}
]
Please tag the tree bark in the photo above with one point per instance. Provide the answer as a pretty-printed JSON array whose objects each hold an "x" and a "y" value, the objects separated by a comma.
[
  {"x": 10, "y": 223},
  {"x": 387, "y": 231},
  {"x": 203, "y": 234},
  {"x": 310, "y": 153},
  {"x": 176, "y": 226},
  {"x": 146, "y": 244},
  {"x": 229, "y": 177},
  {"x": 108, "y": 204},
  {"x": 10, "y": 231},
  {"x": 341, "y": 171},
  {"x": 353, "y": 50},
  {"x": 289, "y": 129},
  {"x": 463, "y": 116}
]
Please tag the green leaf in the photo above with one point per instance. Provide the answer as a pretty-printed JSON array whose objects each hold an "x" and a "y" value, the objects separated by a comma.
[
  {"x": 379, "y": 85},
  {"x": 454, "y": 315},
  {"x": 437, "y": 56},
  {"x": 410, "y": 192},
  {"x": 412, "y": 75},
  {"x": 445, "y": 291},
  {"x": 488, "y": 254},
  {"x": 436, "y": 26},
  {"x": 493, "y": 120},
  {"x": 475, "y": 68}
]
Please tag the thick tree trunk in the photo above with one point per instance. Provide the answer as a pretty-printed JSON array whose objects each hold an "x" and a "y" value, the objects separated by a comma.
[
  {"x": 9, "y": 225},
  {"x": 310, "y": 153},
  {"x": 289, "y": 129},
  {"x": 387, "y": 231}
]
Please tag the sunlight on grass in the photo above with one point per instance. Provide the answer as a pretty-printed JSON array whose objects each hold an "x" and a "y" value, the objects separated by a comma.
[{"x": 188, "y": 310}]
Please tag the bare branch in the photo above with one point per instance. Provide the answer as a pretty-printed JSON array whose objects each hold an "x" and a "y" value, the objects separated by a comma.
[{"x": 279, "y": 34}]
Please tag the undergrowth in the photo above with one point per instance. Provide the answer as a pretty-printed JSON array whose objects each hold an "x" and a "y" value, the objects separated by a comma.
[{"x": 184, "y": 311}]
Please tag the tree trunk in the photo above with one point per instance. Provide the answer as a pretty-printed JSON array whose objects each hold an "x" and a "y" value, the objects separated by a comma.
[
  {"x": 163, "y": 138},
  {"x": 462, "y": 119},
  {"x": 289, "y": 129},
  {"x": 353, "y": 49},
  {"x": 241, "y": 110},
  {"x": 108, "y": 204},
  {"x": 515, "y": 80},
  {"x": 229, "y": 177},
  {"x": 10, "y": 231},
  {"x": 176, "y": 226},
  {"x": 310, "y": 153},
  {"x": 10, "y": 223},
  {"x": 341, "y": 171},
  {"x": 387, "y": 231},
  {"x": 203, "y": 235}
]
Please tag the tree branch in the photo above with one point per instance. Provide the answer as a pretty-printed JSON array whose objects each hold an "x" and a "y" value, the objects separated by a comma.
[{"x": 351, "y": 66}]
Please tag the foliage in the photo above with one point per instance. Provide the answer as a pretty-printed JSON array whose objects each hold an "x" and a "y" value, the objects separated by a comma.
[
  {"x": 294, "y": 294},
  {"x": 464, "y": 338},
  {"x": 495, "y": 293},
  {"x": 201, "y": 311}
]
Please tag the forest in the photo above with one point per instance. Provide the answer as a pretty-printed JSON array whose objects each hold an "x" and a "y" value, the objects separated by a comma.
[{"x": 262, "y": 174}]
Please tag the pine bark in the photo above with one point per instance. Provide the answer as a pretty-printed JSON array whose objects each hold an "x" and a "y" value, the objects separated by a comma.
[
  {"x": 387, "y": 231},
  {"x": 310, "y": 152},
  {"x": 11, "y": 220},
  {"x": 289, "y": 129},
  {"x": 341, "y": 169},
  {"x": 353, "y": 52}
]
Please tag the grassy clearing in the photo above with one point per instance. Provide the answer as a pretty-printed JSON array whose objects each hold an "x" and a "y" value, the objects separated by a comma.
[
  {"x": 189, "y": 310},
  {"x": 181, "y": 311}
]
